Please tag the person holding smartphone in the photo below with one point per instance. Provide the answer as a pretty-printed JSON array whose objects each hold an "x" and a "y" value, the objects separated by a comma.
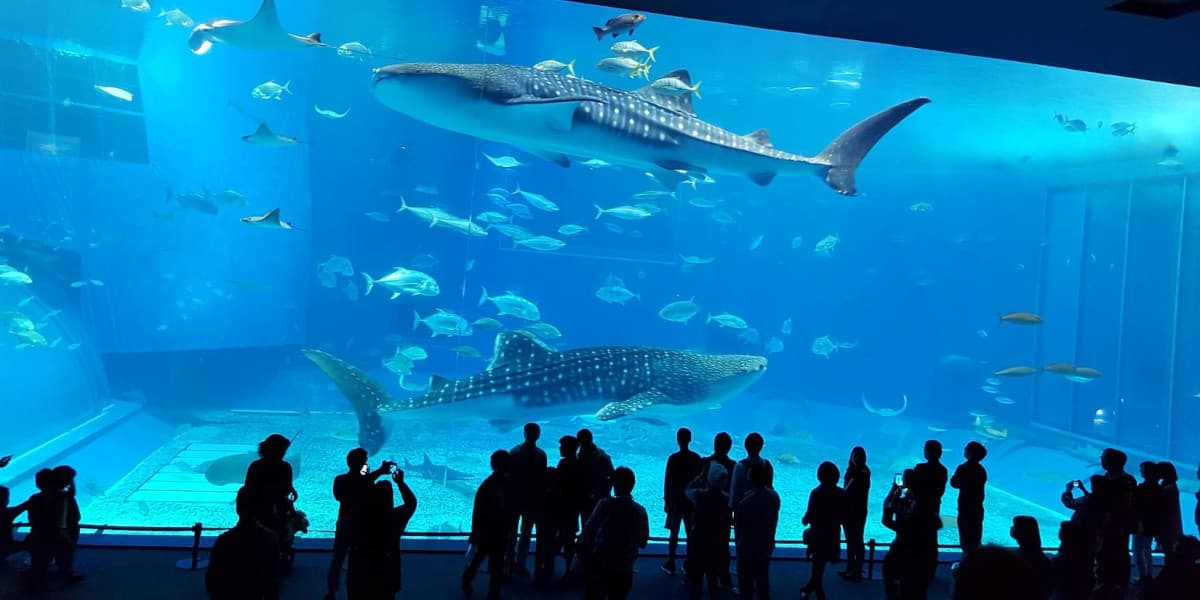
[{"x": 351, "y": 490}]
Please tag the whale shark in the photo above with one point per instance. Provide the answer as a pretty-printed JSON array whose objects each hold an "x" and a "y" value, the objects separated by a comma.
[
  {"x": 262, "y": 32},
  {"x": 558, "y": 116},
  {"x": 528, "y": 378}
]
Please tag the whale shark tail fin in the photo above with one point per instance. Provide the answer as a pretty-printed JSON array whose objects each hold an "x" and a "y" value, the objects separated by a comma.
[
  {"x": 844, "y": 154},
  {"x": 363, "y": 392}
]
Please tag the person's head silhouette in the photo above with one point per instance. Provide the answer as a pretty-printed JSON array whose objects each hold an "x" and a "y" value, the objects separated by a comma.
[
  {"x": 499, "y": 462},
  {"x": 933, "y": 450},
  {"x": 532, "y": 433},
  {"x": 827, "y": 473},
  {"x": 722, "y": 444},
  {"x": 568, "y": 445},
  {"x": 356, "y": 459},
  {"x": 754, "y": 444},
  {"x": 683, "y": 437},
  {"x": 623, "y": 480}
]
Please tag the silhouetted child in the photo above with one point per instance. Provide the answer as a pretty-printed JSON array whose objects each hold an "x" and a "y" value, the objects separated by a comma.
[
  {"x": 826, "y": 511},
  {"x": 722, "y": 444},
  {"x": 682, "y": 467},
  {"x": 1028, "y": 536},
  {"x": 574, "y": 496},
  {"x": 490, "y": 527},
  {"x": 970, "y": 479},
  {"x": 1172, "y": 523},
  {"x": 8, "y": 515},
  {"x": 708, "y": 540},
  {"x": 1148, "y": 506},
  {"x": 351, "y": 490},
  {"x": 857, "y": 483},
  {"x": 527, "y": 467},
  {"x": 242, "y": 563},
  {"x": 612, "y": 538},
  {"x": 1073, "y": 564},
  {"x": 67, "y": 511},
  {"x": 758, "y": 520}
]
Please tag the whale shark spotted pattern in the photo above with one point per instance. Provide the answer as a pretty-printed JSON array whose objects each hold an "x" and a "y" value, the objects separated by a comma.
[
  {"x": 557, "y": 116},
  {"x": 626, "y": 379}
]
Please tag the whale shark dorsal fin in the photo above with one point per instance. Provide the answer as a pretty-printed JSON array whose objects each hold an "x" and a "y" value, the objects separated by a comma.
[
  {"x": 762, "y": 137},
  {"x": 425, "y": 462},
  {"x": 437, "y": 383},
  {"x": 621, "y": 408},
  {"x": 518, "y": 348}
]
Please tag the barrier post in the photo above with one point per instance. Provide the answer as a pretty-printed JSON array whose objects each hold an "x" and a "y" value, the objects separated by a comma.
[
  {"x": 194, "y": 563},
  {"x": 871, "y": 559}
]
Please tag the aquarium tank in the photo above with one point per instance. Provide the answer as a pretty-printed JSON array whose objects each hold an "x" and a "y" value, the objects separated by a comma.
[{"x": 434, "y": 222}]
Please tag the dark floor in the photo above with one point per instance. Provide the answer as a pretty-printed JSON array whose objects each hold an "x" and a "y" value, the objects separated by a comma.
[{"x": 125, "y": 574}]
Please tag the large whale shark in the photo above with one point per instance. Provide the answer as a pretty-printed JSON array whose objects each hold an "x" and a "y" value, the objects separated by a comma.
[
  {"x": 528, "y": 379},
  {"x": 559, "y": 116}
]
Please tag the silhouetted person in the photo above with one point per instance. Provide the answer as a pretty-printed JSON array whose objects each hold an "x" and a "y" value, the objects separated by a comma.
[
  {"x": 1148, "y": 505},
  {"x": 45, "y": 535},
  {"x": 272, "y": 493},
  {"x": 755, "y": 534},
  {"x": 350, "y": 489},
  {"x": 1028, "y": 535},
  {"x": 67, "y": 510},
  {"x": 722, "y": 444},
  {"x": 932, "y": 476},
  {"x": 490, "y": 527},
  {"x": 994, "y": 573},
  {"x": 708, "y": 540},
  {"x": 857, "y": 483},
  {"x": 375, "y": 572},
  {"x": 528, "y": 467},
  {"x": 682, "y": 467},
  {"x": 612, "y": 537},
  {"x": 1196, "y": 515},
  {"x": 910, "y": 562},
  {"x": 740, "y": 482},
  {"x": 970, "y": 479},
  {"x": 1112, "y": 557},
  {"x": 243, "y": 560},
  {"x": 1180, "y": 575},
  {"x": 548, "y": 503},
  {"x": 574, "y": 497},
  {"x": 597, "y": 469},
  {"x": 1088, "y": 514},
  {"x": 8, "y": 516},
  {"x": 1073, "y": 564},
  {"x": 1172, "y": 515},
  {"x": 824, "y": 517}
]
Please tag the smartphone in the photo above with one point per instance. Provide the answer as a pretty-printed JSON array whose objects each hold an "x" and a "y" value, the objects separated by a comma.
[
  {"x": 898, "y": 481},
  {"x": 364, "y": 470}
]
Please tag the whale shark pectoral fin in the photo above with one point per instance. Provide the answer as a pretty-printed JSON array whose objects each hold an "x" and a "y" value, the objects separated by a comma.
[
  {"x": 558, "y": 112},
  {"x": 669, "y": 178},
  {"x": 632, "y": 404}
]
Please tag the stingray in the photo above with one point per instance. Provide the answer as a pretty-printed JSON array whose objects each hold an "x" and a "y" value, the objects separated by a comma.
[
  {"x": 232, "y": 468},
  {"x": 885, "y": 412},
  {"x": 262, "y": 32},
  {"x": 263, "y": 136},
  {"x": 269, "y": 220}
]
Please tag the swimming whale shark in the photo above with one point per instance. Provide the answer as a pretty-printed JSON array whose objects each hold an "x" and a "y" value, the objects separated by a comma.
[
  {"x": 530, "y": 379},
  {"x": 558, "y": 116},
  {"x": 262, "y": 32}
]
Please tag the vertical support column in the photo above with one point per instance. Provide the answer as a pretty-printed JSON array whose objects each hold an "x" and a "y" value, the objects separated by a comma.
[
  {"x": 1121, "y": 315},
  {"x": 1040, "y": 300},
  {"x": 1174, "y": 360},
  {"x": 1084, "y": 239}
]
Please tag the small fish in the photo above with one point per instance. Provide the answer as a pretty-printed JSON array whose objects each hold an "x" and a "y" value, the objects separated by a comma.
[
  {"x": 797, "y": 242},
  {"x": 1022, "y": 318},
  {"x": 774, "y": 345},
  {"x": 992, "y": 381},
  {"x": 141, "y": 6},
  {"x": 504, "y": 162},
  {"x": 981, "y": 334},
  {"x": 330, "y": 114},
  {"x": 378, "y": 216},
  {"x": 24, "y": 301},
  {"x": 755, "y": 243},
  {"x": 541, "y": 242},
  {"x": 115, "y": 92},
  {"x": 653, "y": 195},
  {"x": 487, "y": 323},
  {"x": 675, "y": 86},
  {"x": 413, "y": 352},
  {"x": 788, "y": 459},
  {"x": 544, "y": 331},
  {"x": 511, "y": 304},
  {"x": 230, "y": 197},
  {"x": 538, "y": 201},
  {"x": 466, "y": 351},
  {"x": 491, "y": 217},
  {"x": 680, "y": 311},
  {"x": 988, "y": 389},
  {"x": 443, "y": 322},
  {"x": 921, "y": 207},
  {"x": 595, "y": 163},
  {"x": 74, "y": 346},
  {"x": 1122, "y": 128},
  {"x": 1005, "y": 400},
  {"x": 513, "y": 232},
  {"x": 618, "y": 25},
  {"x": 614, "y": 228},
  {"x": 1015, "y": 371},
  {"x": 176, "y": 17},
  {"x": 464, "y": 226},
  {"x": 704, "y": 202},
  {"x": 697, "y": 260},
  {"x": 353, "y": 50},
  {"x": 571, "y": 229},
  {"x": 727, "y": 320},
  {"x": 826, "y": 245},
  {"x": 633, "y": 49},
  {"x": 11, "y": 276},
  {"x": 554, "y": 66},
  {"x": 270, "y": 90},
  {"x": 626, "y": 212},
  {"x": 623, "y": 65}
]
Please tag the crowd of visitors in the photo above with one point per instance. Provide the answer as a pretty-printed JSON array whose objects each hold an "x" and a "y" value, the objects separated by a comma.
[{"x": 582, "y": 510}]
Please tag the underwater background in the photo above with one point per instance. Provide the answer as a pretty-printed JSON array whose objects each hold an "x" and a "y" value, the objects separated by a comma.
[{"x": 158, "y": 337}]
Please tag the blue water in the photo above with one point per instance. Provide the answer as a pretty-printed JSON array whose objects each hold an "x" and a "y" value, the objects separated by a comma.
[{"x": 979, "y": 204}]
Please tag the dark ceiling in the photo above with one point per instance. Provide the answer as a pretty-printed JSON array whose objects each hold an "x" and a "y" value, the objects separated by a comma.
[{"x": 1076, "y": 34}]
